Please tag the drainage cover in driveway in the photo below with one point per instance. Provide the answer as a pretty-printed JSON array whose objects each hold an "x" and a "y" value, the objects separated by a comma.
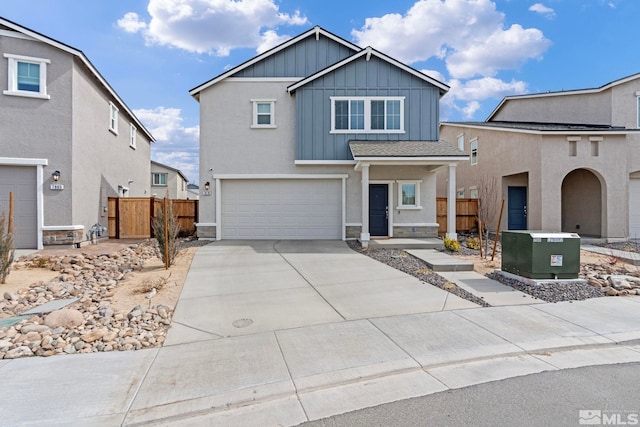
[{"x": 242, "y": 323}]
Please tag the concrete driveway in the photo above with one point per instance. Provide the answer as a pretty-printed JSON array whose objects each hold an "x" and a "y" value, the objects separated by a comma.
[{"x": 240, "y": 288}]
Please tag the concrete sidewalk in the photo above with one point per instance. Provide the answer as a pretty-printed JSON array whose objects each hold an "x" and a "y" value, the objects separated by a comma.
[{"x": 319, "y": 346}]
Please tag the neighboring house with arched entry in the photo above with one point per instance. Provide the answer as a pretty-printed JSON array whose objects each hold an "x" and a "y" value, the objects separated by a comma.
[{"x": 563, "y": 161}]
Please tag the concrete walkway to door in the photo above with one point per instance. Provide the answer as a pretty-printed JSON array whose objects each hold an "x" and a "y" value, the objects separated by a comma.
[{"x": 263, "y": 286}]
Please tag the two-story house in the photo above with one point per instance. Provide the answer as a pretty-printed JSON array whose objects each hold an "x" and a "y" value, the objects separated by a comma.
[
  {"x": 67, "y": 141},
  {"x": 168, "y": 181},
  {"x": 318, "y": 138},
  {"x": 563, "y": 161}
]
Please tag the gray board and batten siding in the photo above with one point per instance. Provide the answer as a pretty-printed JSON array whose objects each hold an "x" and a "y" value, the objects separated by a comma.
[
  {"x": 374, "y": 77},
  {"x": 300, "y": 60}
]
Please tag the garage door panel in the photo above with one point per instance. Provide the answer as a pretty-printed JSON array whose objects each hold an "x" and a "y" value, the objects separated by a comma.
[
  {"x": 281, "y": 209},
  {"x": 634, "y": 208},
  {"x": 21, "y": 180}
]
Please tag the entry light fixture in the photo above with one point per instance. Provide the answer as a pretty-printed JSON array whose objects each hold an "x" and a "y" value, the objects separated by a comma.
[
  {"x": 206, "y": 186},
  {"x": 56, "y": 176}
]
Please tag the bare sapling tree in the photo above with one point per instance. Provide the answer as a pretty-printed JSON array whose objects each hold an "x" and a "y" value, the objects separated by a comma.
[
  {"x": 169, "y": 246},
  {"x": 7, "y": 251},
  {"x": 488, "y": 207}
]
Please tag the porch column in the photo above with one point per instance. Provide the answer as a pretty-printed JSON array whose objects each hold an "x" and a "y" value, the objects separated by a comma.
[
  {"x": 451, "y": 203},
  {"x": 364, "y": 234}
]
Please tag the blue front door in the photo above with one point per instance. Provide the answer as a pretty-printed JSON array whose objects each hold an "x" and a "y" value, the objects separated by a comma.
[
  {"x": 517, "y": 208},
  {"x": 378, "y": 210}
]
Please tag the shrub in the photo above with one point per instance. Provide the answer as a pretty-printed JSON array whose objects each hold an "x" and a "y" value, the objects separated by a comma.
[
  {"x": 6, "y": 249},
  {"x": 173, "y": 229},
  {"x": 451, "y": 244},
  {"x": 473, "y": 243}
]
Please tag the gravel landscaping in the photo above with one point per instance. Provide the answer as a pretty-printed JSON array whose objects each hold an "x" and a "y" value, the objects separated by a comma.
[{"x": 401, "y": 260}]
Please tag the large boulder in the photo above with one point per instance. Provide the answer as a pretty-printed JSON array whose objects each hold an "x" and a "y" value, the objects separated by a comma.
[{"x": 65, "y": 318}]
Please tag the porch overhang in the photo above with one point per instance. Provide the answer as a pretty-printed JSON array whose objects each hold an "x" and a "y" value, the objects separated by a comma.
[{"x": 405, "y": 153}]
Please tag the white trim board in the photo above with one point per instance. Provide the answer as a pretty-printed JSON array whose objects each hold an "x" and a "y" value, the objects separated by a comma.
[{"x": 281, "y": 176}]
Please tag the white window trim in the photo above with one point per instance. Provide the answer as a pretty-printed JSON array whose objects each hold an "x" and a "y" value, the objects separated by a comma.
[
  {"x": 458, "y": 192},
  {"x": 254, "y": 123},
  {"x": 12, "y": 87},
  {"x": 166, "y": 179},
  {"x": 638, "y": 108},
  {"x": 133, "y": 132},
  {"x": 113, "y": 127},
  {"x": 473, "y": 144},
  {"x": 367, "y": 114},
  {"x": 472, "y": 190},
  {"x": 416, "y": 206},
  {"x": 461, "y": 142}
]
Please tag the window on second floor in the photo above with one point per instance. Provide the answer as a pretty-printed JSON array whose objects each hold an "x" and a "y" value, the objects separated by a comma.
[
  {"x": 367, "y": 114},
  {"x": 27, "y": 76},
  {"x": 474, "y": 152},
  {"x": 638, "y": 110},
  {"x": 133, "y": 132},
  {"x": 461, "y": 142},
  {"x": 158, "y": 178},
  {"x": 113, "y": 118},
  {"x": 264, "y": 113}
]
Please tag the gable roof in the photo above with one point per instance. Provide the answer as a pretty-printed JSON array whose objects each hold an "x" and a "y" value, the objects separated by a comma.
[
  {"x": 315, "y": 31},
  {"x": 178, "y": 171},
  {"x": 80, "y": 55},
  {"x": 368, "y": 52},
  {"x": 564, "y": 92}
]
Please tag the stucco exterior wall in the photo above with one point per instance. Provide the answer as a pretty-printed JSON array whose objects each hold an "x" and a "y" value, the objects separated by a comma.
[
  {"x": 41, "y": 128},
  {"x": 102, "y": 160},
  {"x": 541, "y": 163},
  {"x": 594, "y": 108}
]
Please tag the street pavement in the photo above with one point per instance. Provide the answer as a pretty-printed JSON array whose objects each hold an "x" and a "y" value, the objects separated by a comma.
[{"x": 280, "y": 333}]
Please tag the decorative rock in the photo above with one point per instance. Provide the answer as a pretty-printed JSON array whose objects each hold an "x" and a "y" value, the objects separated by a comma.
[
  {"x": 10, "y": 296},
  {"x": 34, "y": 328},
  {"x": 66, "y": 318},
  {"x": 22, "y": 351},
  {"x": 93, "y": 336},
  {"x": 612, "y": 292}
]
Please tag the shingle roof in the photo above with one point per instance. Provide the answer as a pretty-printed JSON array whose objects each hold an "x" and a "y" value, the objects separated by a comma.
[{"x": 404, "y": 149}]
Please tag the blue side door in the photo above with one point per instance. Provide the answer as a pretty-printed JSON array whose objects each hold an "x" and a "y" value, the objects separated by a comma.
[
  {"x": 517, "y": 208},
  {"x": 378, "y": 210}
]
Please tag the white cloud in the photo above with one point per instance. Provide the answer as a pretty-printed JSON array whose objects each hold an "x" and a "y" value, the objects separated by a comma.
[
  {"x": 211, "y": 26},
  {"x": 466, "y": 96},
  {"x": 131, "y": 23},
  {"x": 176, "y": 145},
  {"x": 502, "y": 50},
  {"x": 547, "y": 12},
  {"x": 461, "y": 32}
]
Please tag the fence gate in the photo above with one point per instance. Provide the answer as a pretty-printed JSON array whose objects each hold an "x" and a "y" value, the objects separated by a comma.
[
  {"x": 131, "y": 217},
  {"x": 466, "y": 212}
]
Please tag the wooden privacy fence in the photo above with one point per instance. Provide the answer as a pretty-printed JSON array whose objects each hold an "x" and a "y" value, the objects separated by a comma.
[
  {"x": 131, "y": 217},
  {"x": 466, "y": 211}
]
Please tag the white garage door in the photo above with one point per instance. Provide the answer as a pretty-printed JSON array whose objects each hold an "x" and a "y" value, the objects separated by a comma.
[
  {"x": 634, "y": 208},
  {"x": 21, "y": 180},
  {"x": 282, "y": 209}
]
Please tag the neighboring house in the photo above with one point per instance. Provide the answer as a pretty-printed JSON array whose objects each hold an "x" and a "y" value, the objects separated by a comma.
[
  {"x": 193, "y": 192},
  {"x": 167, "y": 180},
  {"x": 67, "y": 141},
  {"x": 564, "y": 161},
  {"x": 318, "y": 138}
]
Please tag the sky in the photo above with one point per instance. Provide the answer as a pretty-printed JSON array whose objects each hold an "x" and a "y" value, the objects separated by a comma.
[{"x": 152, "y": 52}]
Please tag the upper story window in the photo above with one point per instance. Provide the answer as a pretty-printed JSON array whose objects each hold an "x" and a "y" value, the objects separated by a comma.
[
  {"x": 158, "y": 178},
  {"x": 474, "y": 152},
  {"x": 461, "y": 142},
  {"x": 638, "y": 110},
  {"x": 367, "y": 114},
  {"x": 113, "y": 118},
  {"x": 27, "y": 76},
  {"x": 133, "y": 132},
  {"x": 264, "y": 113}
]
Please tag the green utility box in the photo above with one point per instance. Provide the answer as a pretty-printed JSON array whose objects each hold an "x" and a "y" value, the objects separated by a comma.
[{"x": 540, "y": 254}]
